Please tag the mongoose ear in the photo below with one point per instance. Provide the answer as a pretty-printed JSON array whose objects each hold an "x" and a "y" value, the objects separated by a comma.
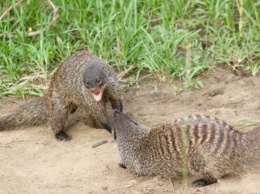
[
  {"x": 117, "y": 113},
  {"x": 105, "y": 69}
]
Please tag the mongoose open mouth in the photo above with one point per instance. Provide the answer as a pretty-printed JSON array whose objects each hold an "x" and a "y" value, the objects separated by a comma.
[{"x": 97, "y": 95}]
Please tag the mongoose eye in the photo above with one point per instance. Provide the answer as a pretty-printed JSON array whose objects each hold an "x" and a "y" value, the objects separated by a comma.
[
  {"x": 98, "y": 81},
  {"x": 87, "y": 84}
]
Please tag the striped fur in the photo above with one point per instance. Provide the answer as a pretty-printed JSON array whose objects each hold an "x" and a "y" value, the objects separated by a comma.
[{"x": 197, "y": 145}]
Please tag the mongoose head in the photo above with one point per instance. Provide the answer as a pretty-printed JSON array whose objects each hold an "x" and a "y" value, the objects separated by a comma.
[
  {"x": 126, "y": 129},
  {"x": 95, "y": 80}
]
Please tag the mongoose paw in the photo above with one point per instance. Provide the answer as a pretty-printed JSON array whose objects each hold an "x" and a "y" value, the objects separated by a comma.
[
  {"x": 62, "y": 136},
  {"x": 107, "y": 125},
  {"x": 122, "y": 165},
  {"x": 203, "y": 182}
]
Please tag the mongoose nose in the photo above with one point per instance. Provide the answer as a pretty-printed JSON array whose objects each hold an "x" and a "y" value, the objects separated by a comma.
[{"x": 94, "y": 90}]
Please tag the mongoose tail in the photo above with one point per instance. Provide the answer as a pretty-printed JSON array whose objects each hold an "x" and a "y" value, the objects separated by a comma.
[{"x": 29, "y": 114}]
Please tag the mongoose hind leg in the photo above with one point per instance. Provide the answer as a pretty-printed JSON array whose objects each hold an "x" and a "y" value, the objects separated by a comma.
[{"x": 207, "y": 180}]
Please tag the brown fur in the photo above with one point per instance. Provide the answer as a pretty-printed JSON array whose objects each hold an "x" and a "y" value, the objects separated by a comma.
[
  {"x": 196, "y": 145},
  {"x": 72, "y": 86}
]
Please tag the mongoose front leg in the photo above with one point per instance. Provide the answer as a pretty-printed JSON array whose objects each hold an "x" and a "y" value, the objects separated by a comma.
[
  {"x": 122, "y": 165},
  {"x": 107, "y": 124},
  {"x": 207, "y": 180},
  {"x": 99, "y": 113},
  {"x": 59, "y": 117},
  {"x": 62, "y": 136},
  {"x": 114, "y": 98},
  {"x": 117, "y": 104}
]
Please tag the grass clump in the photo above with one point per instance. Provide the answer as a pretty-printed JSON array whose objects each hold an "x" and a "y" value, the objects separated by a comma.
[{"x": 175, "y": 38}]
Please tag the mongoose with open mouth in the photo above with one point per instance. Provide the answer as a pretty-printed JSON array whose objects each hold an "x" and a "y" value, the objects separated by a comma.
[{"x": 84, "y": 81}]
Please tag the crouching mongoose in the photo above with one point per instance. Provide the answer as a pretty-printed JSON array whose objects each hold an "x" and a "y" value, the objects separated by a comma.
[
  {"x": 197, "y": 145},
  {"x": 83, "y": 81}
]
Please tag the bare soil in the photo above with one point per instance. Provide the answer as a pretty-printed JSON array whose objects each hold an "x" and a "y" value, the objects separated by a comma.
[{"x": 33, "y": 161}]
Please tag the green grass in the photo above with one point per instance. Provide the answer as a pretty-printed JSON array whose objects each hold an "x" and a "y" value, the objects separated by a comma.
[
  {"x": 170, "y": 38},
  {"x": 246, "y": 123}
]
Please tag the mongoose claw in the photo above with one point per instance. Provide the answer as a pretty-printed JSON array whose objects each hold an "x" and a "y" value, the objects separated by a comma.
[
  {"x": 203, "y": 182},
  {"x": 62, "y": 136},
  {"x": 122, "y": 165}
]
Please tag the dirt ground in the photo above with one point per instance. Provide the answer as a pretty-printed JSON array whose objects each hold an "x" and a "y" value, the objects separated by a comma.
[{"x": 33, "y": 161}]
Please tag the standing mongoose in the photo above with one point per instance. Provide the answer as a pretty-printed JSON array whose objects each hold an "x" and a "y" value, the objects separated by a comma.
[
  {"x": 83, "y": 81},
  {"x": 197, "y": 145}
]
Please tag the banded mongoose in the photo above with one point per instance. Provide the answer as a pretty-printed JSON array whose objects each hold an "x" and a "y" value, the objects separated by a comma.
[
  {"x": 196, "y": 145},
  {"x": 84, "y": 81}
]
